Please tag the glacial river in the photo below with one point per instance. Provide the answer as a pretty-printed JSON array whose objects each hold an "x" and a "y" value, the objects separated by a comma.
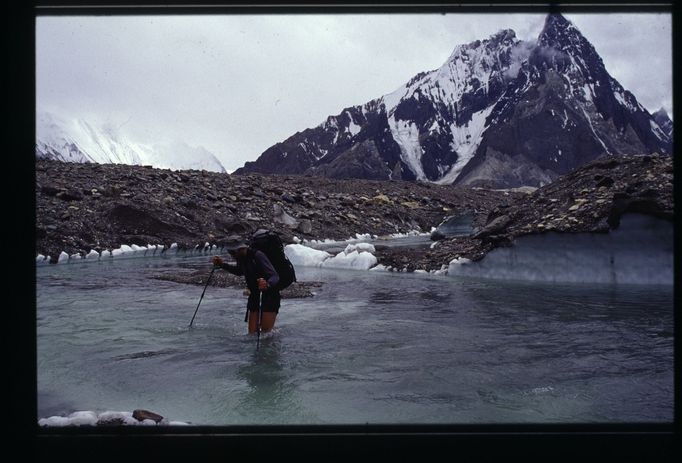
[{"x": 369, "y": 347}]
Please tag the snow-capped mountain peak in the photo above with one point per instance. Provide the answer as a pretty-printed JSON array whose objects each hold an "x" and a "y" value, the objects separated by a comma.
[
  {"x": 76, "y": 140},
  {"x": 498, "y": 112}
]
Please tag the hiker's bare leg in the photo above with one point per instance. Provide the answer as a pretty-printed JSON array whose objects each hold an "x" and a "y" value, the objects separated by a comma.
[
  {"x": 267, "y": 323},
  {"x": 253, "y": 321}
]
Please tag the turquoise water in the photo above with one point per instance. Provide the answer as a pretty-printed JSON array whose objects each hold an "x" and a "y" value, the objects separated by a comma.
[{"x": 370, "y": 347}]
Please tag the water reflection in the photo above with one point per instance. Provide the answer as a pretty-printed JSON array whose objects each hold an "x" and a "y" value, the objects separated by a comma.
[{"x": 270, "y": 395}]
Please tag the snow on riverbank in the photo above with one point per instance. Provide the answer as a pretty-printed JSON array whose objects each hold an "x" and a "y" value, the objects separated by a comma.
[
  {"x": 363, "y": 258},
  {"x": 108, "y": 418},
  {"x": 131, "y": 251}
]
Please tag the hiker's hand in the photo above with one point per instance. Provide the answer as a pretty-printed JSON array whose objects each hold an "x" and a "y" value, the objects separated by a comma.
[
  {"x": 262, "y": 284},
  {"x": 217, "y": 261}
]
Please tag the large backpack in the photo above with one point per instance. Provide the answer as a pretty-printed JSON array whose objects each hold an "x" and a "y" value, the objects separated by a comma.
[{"x": 271, "y": 245}]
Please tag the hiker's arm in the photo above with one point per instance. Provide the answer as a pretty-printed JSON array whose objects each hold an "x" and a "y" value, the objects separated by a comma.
[
  {"x": 233, "y": 269},
  {"x": 271, "y": 274}
]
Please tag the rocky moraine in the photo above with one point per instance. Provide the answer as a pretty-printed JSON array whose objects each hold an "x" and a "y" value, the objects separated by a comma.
[{"x": 84, "y": 207}]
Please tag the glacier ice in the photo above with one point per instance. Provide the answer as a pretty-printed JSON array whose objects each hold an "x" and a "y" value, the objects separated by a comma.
[
  {"x": 359, "y": 247},
  {"x": 379, "y": 268},
  {"x": 639, "y": 251},
  {"x": 305, "y": 256},
  {"x": 355, "y": 256},
  {"x": 362, "y": 260}
]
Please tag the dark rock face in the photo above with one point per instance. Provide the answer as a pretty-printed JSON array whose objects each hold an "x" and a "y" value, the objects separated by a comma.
[
  {"x": 360, "y": 161},
  {"x": 499, "y": 113}
]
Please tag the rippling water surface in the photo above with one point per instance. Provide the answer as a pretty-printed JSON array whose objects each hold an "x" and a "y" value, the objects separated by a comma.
[{"x": 370, "y": 347}]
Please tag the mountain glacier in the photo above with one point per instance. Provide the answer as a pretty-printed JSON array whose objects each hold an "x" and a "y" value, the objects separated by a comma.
[
  {"x": 76, "y": 140},
  {"x": 499, "y": 113}
]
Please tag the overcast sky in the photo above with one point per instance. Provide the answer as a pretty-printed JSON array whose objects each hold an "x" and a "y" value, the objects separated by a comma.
[{"x": 236, "y": 85}]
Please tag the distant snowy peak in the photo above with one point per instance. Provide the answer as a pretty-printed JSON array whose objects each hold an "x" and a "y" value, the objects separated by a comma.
[
  {"x": 499, "y": 112},
  {"x": 174, "y": 155},
  {"x": 76, "y": 140}
]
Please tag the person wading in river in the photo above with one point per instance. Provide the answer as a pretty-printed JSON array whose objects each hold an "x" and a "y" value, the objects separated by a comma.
[{"x": 261, "y": 278}]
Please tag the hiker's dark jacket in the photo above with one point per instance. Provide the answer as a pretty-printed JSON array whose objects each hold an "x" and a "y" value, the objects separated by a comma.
[{"x": 254, "y": 266}]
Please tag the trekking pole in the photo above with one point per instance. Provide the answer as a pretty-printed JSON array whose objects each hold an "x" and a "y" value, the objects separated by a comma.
[
  {"x": 260, "y": 318},
  {"x": 202, "y": 295}
]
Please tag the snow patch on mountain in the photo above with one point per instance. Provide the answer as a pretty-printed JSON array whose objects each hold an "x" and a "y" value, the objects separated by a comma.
[
  {"x": 465, "y": 142},
  {"x": 406, "y": 134},
  {"x": 353, "y": 128},
  {"x": 391, "y": 100}
]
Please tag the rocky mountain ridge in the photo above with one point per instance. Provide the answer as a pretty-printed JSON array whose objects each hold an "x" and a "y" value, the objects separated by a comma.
[{"x": 498, "y": 113}]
